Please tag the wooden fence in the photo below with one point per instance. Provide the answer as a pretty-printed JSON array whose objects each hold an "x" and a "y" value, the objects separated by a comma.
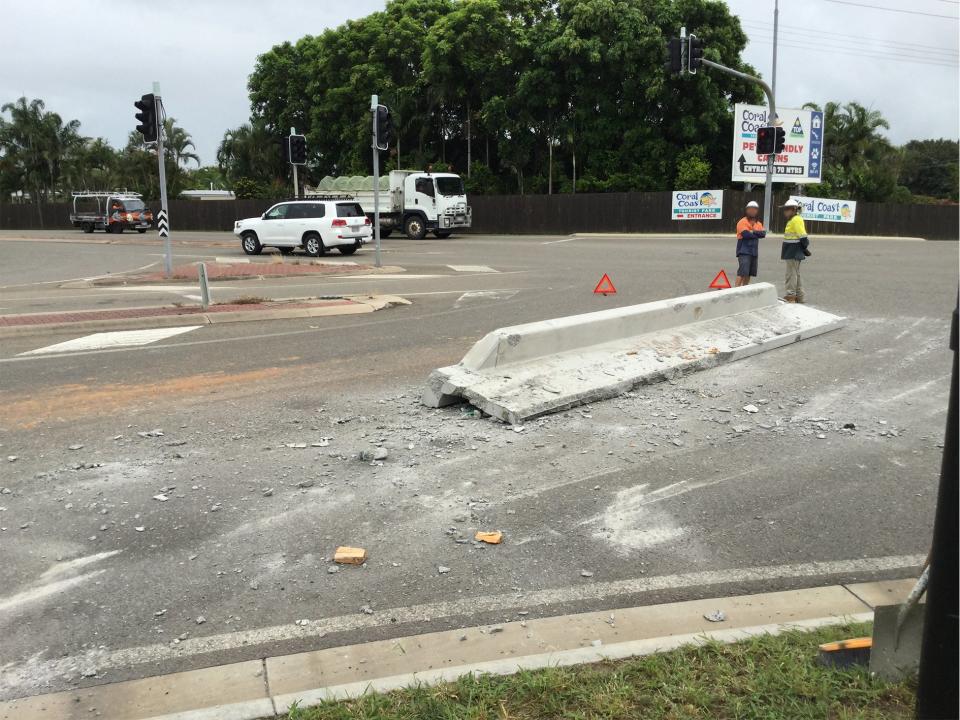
[{"x": 556, "y": 214}]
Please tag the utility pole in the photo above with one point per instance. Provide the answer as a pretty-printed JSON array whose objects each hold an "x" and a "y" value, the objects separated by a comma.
[{"x": 163, "y": 220}]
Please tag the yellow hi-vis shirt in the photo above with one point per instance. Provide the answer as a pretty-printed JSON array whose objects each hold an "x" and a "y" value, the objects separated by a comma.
[{"x": 794, "y": 239}]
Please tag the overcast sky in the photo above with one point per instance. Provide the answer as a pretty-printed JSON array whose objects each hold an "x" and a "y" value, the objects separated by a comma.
[{"x": 91, "y": 63}]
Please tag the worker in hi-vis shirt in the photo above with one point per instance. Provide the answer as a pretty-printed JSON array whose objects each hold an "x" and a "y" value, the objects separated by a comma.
[
  {"x": 749, "y": 233},
  {"x": 794, "y": 249}
]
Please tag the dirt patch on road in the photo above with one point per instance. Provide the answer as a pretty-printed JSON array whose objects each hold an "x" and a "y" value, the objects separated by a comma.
[{"x": 70, "y": 402}]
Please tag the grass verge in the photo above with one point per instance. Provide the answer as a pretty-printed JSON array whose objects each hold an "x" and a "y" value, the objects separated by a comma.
[{"x": 769, "y": 678}]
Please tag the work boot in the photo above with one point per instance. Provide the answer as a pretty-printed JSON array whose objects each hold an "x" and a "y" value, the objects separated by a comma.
[
  {"x": 790, "y": 298},
  {"x": 800, "y": 300}
]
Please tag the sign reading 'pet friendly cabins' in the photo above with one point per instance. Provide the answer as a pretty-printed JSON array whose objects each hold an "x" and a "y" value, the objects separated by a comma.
[
  {"x": 697, "y": 205},
  {"x": 844, "y": 211}
]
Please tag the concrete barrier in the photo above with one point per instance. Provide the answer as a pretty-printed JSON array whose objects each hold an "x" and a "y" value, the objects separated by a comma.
[{"x": 523, "y": 371}]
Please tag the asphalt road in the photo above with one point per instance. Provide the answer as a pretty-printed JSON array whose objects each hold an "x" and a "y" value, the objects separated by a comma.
[{"x": 672, "y": 492}]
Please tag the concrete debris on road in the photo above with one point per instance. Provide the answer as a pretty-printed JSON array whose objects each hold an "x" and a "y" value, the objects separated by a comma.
[
  {"x": 751, "y": 409},
  {"x": 200, "y": 620},
  {"x": 442, "y": 569},
  {"x": 151, "y": 433},
  {"x": 716, "y": 616},
  {"x": 494, "y": 537},
  {"x": 586, "y": 573},
  {"x": 374, "y": 454},
  {"x": 513, "y": 373},
  {"x": 346, "y": 555},
  {"x": 366, "y": 610}
]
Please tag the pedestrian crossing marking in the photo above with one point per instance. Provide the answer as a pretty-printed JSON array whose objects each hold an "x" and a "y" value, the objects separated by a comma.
[
  {"x": 118, "y": 338},
  {"x": 472, "y": 268}
]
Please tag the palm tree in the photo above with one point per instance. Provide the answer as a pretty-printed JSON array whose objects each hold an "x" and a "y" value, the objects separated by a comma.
[{"x": 178, "y": 144}]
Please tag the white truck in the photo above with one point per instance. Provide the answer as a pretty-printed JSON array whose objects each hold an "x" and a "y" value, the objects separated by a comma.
[{"x": 414, "y": 201}]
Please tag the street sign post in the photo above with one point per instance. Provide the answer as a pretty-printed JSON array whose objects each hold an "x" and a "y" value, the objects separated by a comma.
[
  {"x": 800, "y": 160},
  {"x": 374, "y": 106}
]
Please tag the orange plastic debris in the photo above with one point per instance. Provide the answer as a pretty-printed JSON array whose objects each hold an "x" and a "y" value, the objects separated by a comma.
[
  {"x": 350, "y": 555},
  {"x": 494, "y": 537}
]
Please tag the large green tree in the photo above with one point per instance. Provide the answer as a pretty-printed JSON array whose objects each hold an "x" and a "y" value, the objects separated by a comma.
[{"x": 929, "y": 168}]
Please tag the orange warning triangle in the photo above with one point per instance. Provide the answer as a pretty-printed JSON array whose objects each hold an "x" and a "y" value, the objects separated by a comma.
[
  {"x": 720, "y": 282},
  {"x": 605, "y": 286}
]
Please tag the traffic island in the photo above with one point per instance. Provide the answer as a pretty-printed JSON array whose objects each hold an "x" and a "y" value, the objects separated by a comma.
[
  {"x": 174, "y": 316},
  {"x": 241, "y": 270}
]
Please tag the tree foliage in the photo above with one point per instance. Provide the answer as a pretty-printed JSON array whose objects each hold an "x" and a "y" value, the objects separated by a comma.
[
  {"x": 46, "y": 158},
  {"x": 507, "y": 78}
]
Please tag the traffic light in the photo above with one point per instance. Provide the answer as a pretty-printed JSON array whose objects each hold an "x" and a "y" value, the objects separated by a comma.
[
  {"x": 695, "y": 53},
  {"x": 766, "y": 140},
  {"x": 384, "y": 128},
  {"x": 147, "y": 117},
  {"x": 298, "y": 150},
  {"x": 781, "y": 138},
  {"x": 674, "y": 63}
]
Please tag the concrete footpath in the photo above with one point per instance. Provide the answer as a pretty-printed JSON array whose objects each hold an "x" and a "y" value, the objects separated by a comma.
[
  {"x": 267, "y": 687},
  {"x": 139, "y": 318}
]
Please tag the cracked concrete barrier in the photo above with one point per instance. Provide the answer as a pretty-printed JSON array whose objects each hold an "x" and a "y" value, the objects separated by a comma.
[{"x": 520, "y": 372}]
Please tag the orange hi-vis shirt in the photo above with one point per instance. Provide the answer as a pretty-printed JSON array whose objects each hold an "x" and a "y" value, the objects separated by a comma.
[{"x": 748, "y": 245}]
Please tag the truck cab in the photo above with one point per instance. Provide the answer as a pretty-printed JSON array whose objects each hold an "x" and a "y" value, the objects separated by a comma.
[
  {"x": 432, "y": 202},
  {"x": 113, "y": 211}
]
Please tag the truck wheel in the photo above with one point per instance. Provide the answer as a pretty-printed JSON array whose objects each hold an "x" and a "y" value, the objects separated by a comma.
[
  {"x": 314, "y": 246},
  {"x": 443, "y": 234},
  {"x": 348, "y": 249},
  {"x": 415, "y": 228},
  {"x": 116, "y": 228},
  {"x": 87, "y": 227},
  {"x": 141, "y": 230},
  {"x": 251, "y": 245}
]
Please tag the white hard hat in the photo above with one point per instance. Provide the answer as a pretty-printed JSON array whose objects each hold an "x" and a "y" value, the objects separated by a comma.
[
  {"x": 791, "y": 203},
  {"x": 753, "y": 204}
]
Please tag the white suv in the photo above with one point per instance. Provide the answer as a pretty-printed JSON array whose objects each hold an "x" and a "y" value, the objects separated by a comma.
[{"x": 314, "y": 225}]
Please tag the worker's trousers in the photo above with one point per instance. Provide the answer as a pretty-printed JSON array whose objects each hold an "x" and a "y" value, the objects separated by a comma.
[{"x": 794, "y": 286}]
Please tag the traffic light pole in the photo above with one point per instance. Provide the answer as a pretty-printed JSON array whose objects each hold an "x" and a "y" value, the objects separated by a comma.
[
  {"x": 296, "y": 178},
  {"x": 771, "y": 120},
  {"x": 163, "y": 219},
  {"x": 374, "y": 104}
]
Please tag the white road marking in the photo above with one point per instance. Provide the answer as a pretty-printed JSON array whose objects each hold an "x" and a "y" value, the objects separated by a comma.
[
  {"x": 228, "y": 260},
  {"x": 25, "y": 673},
  {"x": 118, "y": 338},
  {"x": 555, "y": 242},
  {"x": 472, "y": 268}
]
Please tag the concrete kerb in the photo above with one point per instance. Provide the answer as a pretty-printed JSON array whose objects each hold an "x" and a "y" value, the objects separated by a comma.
[
  {"x": 255, "y": 689},
  {"x": 520, "y": 372},
  {"x": 358, "y": 305}
]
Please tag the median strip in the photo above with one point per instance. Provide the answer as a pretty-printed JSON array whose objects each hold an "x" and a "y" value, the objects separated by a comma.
[{"x": 173, "y": 316}]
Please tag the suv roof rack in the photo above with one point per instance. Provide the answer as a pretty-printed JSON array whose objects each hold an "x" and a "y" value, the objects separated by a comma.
[
  {"x": 106, "y": 193},
  {"x": 324, "y": 196}
]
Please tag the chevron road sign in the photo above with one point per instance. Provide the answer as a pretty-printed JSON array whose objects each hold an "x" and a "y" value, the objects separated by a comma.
[{"x": 163, "y": 225}]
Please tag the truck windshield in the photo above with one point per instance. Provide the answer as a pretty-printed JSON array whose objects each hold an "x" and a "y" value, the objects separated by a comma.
[
  {"x": 450, "y": 186},
  {"x": 133, "y": 205}
]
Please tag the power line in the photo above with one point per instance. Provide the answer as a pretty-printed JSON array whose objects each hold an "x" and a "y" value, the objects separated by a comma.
[
  {"x": 862, "y": 54},
  {"x": 873, "y": 51},
  {"x": 921, "y": 47},
  {"x": 896, "y": 10}
]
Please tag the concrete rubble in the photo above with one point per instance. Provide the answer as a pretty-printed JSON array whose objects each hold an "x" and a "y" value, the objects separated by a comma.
[{"x": 524, "y": 371}]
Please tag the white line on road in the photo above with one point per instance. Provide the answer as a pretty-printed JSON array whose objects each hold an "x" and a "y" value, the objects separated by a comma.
[
  {"x": 472, "y": 268},
  {"x": 25, "y": 673},
  {"x": 117, "y": 338},
  {"x": 562, "y": 240}
]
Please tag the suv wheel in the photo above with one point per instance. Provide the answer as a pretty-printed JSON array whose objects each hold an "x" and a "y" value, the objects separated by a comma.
[
  {"x": 415, "y": 228},
  {"x": 313, "y": 244},
  {"x": 348, "y": 249},
  {"x": 251, "y": 245}
]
